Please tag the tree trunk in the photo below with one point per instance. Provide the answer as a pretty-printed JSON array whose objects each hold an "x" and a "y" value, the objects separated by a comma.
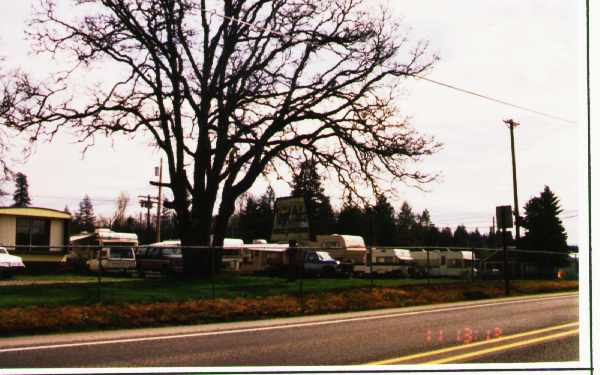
[{"x": 195, "y": 242}]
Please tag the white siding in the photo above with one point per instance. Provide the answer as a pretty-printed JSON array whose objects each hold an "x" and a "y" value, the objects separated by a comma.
[{"x": 8, "y": 230}]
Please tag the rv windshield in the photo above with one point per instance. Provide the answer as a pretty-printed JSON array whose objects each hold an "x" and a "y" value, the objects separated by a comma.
[{"x": 121, "y": 253}]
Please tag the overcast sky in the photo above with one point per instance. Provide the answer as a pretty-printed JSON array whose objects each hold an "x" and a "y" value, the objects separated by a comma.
[{"x": 529, "y": 53}]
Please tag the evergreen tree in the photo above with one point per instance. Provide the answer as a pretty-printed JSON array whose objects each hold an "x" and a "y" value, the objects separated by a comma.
[
  {"x": 460, "y": 237},
  {"x": 475, "y": 239},
  {"x": 445, "y": 238},
  {"x": 421, "y": 229},
  {"x": 307, "y": 184},
  {"x": 256, "y": 219},
  {"x": 384, "y": 223},
  {"x": 85, "y": 219},
  {"x": 544, "y": 228},
  {"x": 21, "y": 194},
  {"x": 431, "y": 236},
  {"x": 406, "y": 223},
  {"x": 351, "y": 219}
]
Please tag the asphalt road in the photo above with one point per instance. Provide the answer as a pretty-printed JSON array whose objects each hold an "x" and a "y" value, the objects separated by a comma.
[{"x": 521, "y": 329}]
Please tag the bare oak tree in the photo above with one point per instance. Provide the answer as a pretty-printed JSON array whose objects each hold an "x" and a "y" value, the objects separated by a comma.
[{"x": 232, "y": 89}]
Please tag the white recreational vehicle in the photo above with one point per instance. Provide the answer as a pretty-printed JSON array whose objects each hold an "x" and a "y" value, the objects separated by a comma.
[
  {"x": 444, "y": 263},
  {"x": 397, "y": 262},
  {"x": 342, "y": 247},
  {"x": 104, "y": 250}
]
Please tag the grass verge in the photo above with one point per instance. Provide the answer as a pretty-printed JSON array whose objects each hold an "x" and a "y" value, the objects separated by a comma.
[{"x": 81, "y": 317}]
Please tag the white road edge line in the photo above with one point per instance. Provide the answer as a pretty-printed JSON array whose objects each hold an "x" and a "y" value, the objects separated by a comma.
[{"x": 270, "y": 328}]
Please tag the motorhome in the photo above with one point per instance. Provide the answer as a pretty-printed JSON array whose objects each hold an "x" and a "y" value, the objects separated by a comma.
[
  {"x": 103, "y": 250},
  {"x": 444, "y": 262},
  {"x": 398, "y": 262},
  {"x": 342, "y": 247}
]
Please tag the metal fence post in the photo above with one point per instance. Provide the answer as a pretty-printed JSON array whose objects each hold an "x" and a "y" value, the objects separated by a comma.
[
  {"x": 100, "y": 269},
  {"x": 371, "y": 266},
  {"x": 301, "y": 274},
  {"x": 427, "y": 266},
  {"x": 212, "y": 271}
]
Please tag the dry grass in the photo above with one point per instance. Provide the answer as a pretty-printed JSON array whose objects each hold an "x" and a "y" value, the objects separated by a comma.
[{"x": 22, "y": 320}]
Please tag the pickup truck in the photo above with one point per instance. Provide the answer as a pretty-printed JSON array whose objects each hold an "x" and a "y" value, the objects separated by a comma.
[
  {"x": 320, "y": 263},
  {"x": 167, "y": 261}
]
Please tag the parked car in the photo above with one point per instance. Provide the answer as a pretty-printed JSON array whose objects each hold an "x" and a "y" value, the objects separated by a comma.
[
  {"x": 159, "y": 259},
  {"x": 320, "y": 263},
  {"x": 9, "y": 264},
  {"x": 113, "y": 259}
]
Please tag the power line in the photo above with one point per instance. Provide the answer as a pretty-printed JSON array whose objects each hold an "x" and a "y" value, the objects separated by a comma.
[
  {"x": 470, "y": 92},
  {"x": 447, "y": 85}
]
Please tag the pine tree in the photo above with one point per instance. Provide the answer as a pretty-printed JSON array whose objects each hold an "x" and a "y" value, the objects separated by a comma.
[
  {"x": 460, "y": 237},
  {"x": 85, "y": 219},
  {"x": 545, "y": 231},
  {"x": 21, "y": 194},
  {"x": 406, "y": 223},
  {"x": 256, "y": 219},
  {"x": 307, "y": 184},
  {"x": 384, "y": 223},
  {"x": 475, "y": 238},
  {"x": 445, "y": 238},
  {"x": 351, "y": 219}
]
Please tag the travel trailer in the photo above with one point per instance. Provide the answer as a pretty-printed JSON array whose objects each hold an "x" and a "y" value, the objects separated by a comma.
[
  {"x": 257, "y": 257},
  {"x": 342, "y": 247},
  {"x": 444, "y": 263},
  {"x": 398, "y": 262}
]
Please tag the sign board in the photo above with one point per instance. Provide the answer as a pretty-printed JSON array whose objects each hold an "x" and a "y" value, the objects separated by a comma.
[
  {"x": 504, "y": 217},
  {"x": 291, "y": 220}
]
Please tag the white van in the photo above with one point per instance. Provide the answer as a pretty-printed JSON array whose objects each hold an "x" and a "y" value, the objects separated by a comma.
[{"x": 120, "y": 259}]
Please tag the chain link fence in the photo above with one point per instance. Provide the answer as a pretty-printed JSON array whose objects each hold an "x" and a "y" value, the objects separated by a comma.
[{"x": 113, "y": 271}]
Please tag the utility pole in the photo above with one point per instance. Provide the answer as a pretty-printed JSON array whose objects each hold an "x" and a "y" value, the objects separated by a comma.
[
  {"x": 511, "y": 125},
  {"x": 146, "y": 202},
  {"x": 159, "y": 206}
]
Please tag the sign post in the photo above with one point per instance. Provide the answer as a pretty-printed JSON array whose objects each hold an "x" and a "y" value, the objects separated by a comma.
[
  {"x": 290, "y": 226},
  {"x": 504, "y": 219}
]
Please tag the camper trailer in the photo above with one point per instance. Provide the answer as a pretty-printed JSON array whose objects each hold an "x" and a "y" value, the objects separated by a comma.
[
  {"x": 397, "y": 262},
  {"x": 103, "y": 250},
  {"x": 444, "y": 263},
  {"x": 342, "y": 247},
  {"x": 258, "y": 257}
]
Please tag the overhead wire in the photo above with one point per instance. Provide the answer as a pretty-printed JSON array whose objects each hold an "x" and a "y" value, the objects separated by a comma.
[{"x": 420, "y": 77}]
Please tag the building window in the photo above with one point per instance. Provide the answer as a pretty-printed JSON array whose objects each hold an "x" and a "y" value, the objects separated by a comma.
[{"x": 32, "y": 232}]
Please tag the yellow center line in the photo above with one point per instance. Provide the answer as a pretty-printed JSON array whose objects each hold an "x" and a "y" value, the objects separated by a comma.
[
  {"x": 503, "y": 347},
  {"x": 471, "y": 345}
]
